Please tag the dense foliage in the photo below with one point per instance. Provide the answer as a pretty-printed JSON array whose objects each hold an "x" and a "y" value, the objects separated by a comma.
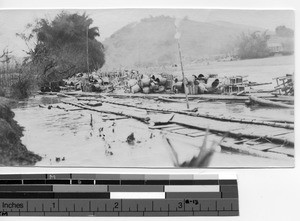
[
  {"x": 253, "y": 45},
  {"x": 283, "y": 31},
  {"x": 61, "y": 46}
]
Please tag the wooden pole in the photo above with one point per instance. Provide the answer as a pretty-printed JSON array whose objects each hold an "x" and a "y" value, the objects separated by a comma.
[
  {"x": 184, "y": 80},
  {"x": 87, "y": 50}
]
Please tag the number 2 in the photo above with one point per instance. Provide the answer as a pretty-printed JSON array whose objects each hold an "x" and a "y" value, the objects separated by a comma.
[{"x": 116, "y": 205}]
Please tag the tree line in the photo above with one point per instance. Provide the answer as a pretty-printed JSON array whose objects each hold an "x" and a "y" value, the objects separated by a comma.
[{"x": 255, "y": 44}]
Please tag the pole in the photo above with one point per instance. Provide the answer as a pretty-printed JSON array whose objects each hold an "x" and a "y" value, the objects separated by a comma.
[
  {"x": 87, "y": 50},
  {"x": 184, "y": 80}
]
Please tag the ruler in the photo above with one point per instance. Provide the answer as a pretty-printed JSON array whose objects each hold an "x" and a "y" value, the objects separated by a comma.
[{"x": 118, "y": 195}]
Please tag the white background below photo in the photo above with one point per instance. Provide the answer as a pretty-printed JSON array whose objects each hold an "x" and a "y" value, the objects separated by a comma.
[{"x": 264, "y": 194}]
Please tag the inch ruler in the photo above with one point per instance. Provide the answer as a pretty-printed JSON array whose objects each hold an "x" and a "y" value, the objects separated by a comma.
[{"x": 118, "y": 195}]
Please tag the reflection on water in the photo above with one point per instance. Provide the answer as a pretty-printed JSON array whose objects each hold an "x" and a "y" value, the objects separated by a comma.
[
  {"x": 39, "y": 100},
  {"x": 69, "y": 138}
]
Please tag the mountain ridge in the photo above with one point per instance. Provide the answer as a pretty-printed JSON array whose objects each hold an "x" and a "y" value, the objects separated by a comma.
[{"x": 151, "y": 42}]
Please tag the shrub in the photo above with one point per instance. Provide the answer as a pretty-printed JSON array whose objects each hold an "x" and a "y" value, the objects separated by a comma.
[
  {"x": 2, "y": 92},
  {"x": 253, "y": 45},
  {"x": 22, "y": 88}
]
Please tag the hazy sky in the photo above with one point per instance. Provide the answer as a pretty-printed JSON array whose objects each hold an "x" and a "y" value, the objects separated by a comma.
[{"x": 109, "y": 21}]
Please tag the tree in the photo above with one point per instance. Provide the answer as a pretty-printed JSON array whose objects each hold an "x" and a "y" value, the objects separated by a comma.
[
  {"x": 6, "y": 57},
  {"x": 61, "y": 46},
  {"x": 283, "y": 31},
  {"x": 253, "y": 45}
]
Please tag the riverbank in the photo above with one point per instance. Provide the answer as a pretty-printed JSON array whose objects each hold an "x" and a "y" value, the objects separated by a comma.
[{"x": 12, "y": 151}]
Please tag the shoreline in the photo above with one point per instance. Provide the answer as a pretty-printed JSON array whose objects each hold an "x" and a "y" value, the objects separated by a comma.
[{"x": 13, "y": 152}]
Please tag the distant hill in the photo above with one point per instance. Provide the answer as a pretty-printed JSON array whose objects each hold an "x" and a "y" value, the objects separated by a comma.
[{"x": 151, "y": 41}]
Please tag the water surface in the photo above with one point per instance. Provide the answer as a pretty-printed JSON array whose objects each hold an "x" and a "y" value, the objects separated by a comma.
[{"x": 84, "y": 138}]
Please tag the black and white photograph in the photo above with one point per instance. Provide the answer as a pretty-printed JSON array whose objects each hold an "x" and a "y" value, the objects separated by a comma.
[{"x": 147, "y": 88}]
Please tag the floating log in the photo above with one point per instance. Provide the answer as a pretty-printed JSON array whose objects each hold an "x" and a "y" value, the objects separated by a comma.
[
  {"x": 234, "y": 133},
  {"x": 182, "y": 96},
  {"x": 280, "y": 121},
  {"x": 241, "y": 93},
  {"x": 249, "y": 151},
  {"x": 94, "y": 104},
  {"x": 264, "y": 102},
  {"x": 252, "y": 84},
  {"x": 197, "y": 114},
  {"x": 62, "y": 95},
  {"x": 114, "y": 118},
  {"x": 211, "y": 97},
  {"x": 208, "y": 97},
  {"x": 170, "y": 100},
  {"x": 143, "y": 119},
  {"x": 47, "y": 93}
]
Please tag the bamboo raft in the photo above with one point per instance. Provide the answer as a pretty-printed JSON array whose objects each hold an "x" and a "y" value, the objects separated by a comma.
[
  {"x": 253, "y": 147},
  {"x": 202, "y": 96},
  {"x": 203, "y": 115},
  {"x": 212, "y": 97},
  {"x": 261, "y": 140}
]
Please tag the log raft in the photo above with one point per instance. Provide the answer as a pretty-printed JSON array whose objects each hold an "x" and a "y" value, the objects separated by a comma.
[
  {"x": 211, "y": 97},
  {"x": 140, "y": 118},
  {"x": 205, "y": 97},
  {"x": 279, "y": 137},
  {"x": 197, "y": 114},
  {"x": 238, "y": 130}
]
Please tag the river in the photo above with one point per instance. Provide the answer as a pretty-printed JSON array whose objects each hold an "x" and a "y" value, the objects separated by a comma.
[{"x": 82, "y": 138}]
